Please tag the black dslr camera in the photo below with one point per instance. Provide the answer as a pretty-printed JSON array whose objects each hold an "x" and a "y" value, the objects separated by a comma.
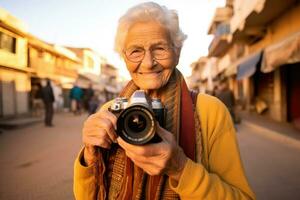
[{"x": 136, "y": 118}]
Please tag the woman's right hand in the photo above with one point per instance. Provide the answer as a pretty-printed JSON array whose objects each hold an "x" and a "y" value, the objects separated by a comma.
[{"x": 98, "y": 130}]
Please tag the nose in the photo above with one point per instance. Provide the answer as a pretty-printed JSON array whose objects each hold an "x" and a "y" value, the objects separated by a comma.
[{"x": 148, "y": 60}]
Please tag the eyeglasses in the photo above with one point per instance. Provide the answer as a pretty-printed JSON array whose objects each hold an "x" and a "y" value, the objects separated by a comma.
[{"x": 159, "y": 52}]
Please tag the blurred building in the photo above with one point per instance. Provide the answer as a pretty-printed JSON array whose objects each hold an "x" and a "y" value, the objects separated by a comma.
[
  {"x": 256, "y": 45},
  {"x": 196, "y": 81},
  {"x": 14, "y": 71},
  {"x": 98, "y": 72},
  {"x": 109, "y": 76},
  {"x": 56, "y": 63},
  {"x": 25, "y": 60},
  {"x": 204, "y": 72},
  {"x": 94, "y": 74},
  {"x": 91, "y": 68}
]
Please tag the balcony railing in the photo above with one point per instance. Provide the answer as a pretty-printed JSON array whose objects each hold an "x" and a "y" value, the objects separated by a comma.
[
  {"x": 222, "y": 29},
  {"x": 219, "y": 44}
]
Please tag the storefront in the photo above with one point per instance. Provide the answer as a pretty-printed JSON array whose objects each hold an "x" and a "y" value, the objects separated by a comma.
[
  {"x": 283, "y": 60},
  {"x": 293, "y": 93},
  {"x": 263, "y": 92},
  {"x": 14, "y": 93}
]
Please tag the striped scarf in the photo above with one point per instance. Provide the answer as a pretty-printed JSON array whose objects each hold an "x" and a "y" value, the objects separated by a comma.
[{"x": 116, "y": 175}]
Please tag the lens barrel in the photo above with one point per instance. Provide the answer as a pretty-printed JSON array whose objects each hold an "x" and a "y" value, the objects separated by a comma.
[{"x": 136, "y": 125}]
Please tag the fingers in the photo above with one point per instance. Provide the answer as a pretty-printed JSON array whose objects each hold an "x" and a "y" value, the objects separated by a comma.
[
  {"x": 150, "y": 168},
  {"x": 108, "y": 126},
  {"x": 153, "y": 165},
  {"x": 150, "y": 158},
  {"x": 108, "y": 122},
  {"x": 145, "y": 150},
  {"x": 152, "y": 149},
  {"x": 99, "y": 129},
  {"x": 153, "y": 158},
  {"x": 104, "y": 115},
  {"x": 139, "y": 159},
  {"x": 163, "y": 133},
  {"x": 148, "y": 150},
  {"x": 99, "y": 140},
  {"x": 112, "y": 118}
]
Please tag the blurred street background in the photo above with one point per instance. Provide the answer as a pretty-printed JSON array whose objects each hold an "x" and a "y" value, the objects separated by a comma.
[{"x": 57, "y": 66}]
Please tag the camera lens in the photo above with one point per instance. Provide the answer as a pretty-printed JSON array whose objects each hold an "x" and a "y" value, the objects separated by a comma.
[{"x": 136, "y": 123}]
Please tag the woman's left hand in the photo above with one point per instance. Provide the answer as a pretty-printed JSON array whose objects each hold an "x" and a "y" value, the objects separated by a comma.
[{"x": 157, "y": 158}]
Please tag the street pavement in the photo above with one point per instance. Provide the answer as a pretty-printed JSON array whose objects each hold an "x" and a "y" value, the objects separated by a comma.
[
  {"x": 37, "y": 162},
  {"x": 272, "y": 164}
]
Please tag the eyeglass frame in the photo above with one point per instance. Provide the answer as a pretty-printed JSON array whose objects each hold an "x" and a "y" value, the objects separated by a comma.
[{"x": 149, "y": 49}]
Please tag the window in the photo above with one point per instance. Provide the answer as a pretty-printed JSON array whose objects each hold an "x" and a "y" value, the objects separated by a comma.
[{"x": 7, "y": 43}]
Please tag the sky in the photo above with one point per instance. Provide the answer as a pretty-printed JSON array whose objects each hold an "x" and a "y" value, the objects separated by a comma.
[{"x": 93, "y": 23}]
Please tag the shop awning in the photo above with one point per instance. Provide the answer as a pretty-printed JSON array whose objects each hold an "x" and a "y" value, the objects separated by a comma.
[
  {"x": 284, "y": 52},
  {"x": 251, "y": 17},
  {"x": 248, "y": 65}
]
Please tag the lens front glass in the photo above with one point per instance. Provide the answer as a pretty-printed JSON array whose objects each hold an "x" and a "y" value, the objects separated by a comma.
[{"x": 137, "y": 123}]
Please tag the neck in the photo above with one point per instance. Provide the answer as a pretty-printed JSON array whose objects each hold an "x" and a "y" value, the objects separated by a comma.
[{"x": 152, "y": 93}]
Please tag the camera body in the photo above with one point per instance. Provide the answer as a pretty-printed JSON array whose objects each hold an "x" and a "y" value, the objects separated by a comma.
[{"x": 136, "y": 117}]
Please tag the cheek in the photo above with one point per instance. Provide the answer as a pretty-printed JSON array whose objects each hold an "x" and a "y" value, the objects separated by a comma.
[
  {"x": 131, "y": 67},
  {"x": 169, "y": 64}
]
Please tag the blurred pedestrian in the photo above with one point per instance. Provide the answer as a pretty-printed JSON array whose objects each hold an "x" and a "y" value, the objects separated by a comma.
[
  {"x": 88, "y": 95},
  {"x": 76, "y": 96},
  {"x": 48, "y": 99},
  {"x": 93, "y": 104},
  {"x": 223, "y": 92},
  {"x": 36, "y": 99},
  {"x": 58, "y": 95}
]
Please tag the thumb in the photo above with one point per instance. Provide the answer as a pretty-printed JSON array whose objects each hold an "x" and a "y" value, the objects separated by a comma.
[{"x": 163, "y": 133}]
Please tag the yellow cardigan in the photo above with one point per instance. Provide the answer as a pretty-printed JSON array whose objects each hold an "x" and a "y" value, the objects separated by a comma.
[{"x": 220, "y": 176}]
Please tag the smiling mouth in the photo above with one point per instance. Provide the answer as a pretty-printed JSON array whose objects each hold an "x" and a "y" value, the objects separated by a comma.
[{"x": 146, "y": 73}]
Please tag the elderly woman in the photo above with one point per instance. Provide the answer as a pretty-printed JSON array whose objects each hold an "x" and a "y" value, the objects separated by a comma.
[{"x": 197, "y": 157}]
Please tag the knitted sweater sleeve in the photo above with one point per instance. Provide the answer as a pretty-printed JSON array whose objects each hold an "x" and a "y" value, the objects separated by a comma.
[
  {"x": 221, "y": 174},
  {"x": 84, "y": 180}
]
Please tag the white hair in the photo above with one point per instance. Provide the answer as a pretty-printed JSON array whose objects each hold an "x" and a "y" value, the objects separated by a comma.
[{"x": 148, "y": 12}]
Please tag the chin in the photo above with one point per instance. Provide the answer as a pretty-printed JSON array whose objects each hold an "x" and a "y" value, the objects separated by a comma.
[{"x": 150, "y": 86}]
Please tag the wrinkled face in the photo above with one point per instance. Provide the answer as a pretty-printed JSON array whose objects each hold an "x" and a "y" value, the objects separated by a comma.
[{"x": 149, "y": 55}]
